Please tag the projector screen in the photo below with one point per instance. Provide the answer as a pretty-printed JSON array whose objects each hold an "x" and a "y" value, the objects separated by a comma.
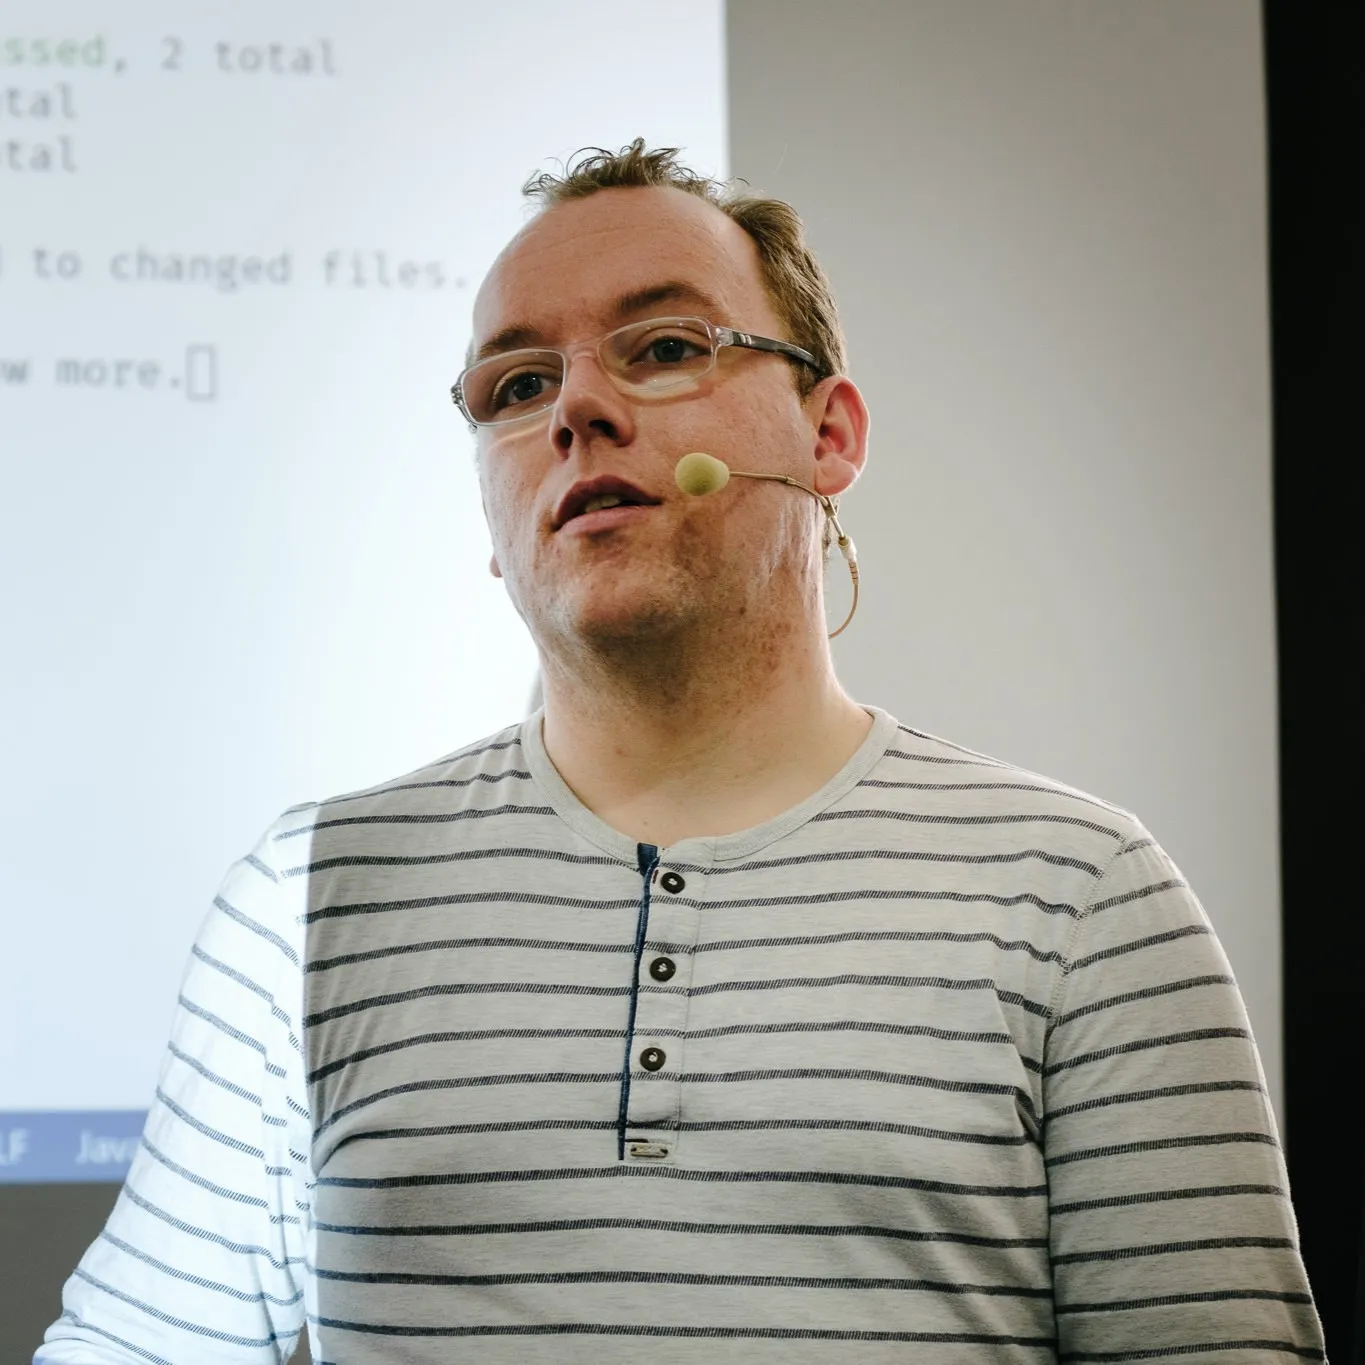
[{"x": 245, "y": 563}]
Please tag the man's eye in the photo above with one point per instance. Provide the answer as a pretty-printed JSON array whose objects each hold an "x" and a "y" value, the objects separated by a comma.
[
  {"x": 669, "y": 349},
  {"x": 521, "y": 386}
]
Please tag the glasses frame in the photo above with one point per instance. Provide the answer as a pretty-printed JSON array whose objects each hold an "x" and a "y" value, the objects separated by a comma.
[{"x": 720, "y": 337}]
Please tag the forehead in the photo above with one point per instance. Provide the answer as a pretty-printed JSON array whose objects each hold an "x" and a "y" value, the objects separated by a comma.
[{"x": 563, "y": 274}]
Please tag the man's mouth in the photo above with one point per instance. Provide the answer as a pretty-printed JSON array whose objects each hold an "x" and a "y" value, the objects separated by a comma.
[
  {"x": 601, "y": 514},
  {"x": 605, "y": 500}
]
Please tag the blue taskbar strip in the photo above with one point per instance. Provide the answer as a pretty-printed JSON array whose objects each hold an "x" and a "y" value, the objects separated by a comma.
[{"x": 68, "y": 1145}]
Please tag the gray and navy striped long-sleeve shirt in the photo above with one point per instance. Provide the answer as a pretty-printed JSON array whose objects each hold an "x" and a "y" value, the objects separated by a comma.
[{"x": 945, "y": 1064}]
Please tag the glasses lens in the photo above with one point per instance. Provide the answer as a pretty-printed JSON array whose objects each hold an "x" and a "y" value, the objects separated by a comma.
[
  {"x": 505, "y": 387},
  {"x": 661, "y": 353}
]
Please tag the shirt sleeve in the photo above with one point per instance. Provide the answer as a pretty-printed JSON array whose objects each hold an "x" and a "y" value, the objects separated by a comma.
[
  {"x": 1172, "y": 1234},
  {"x": 204, "y": 1255}
]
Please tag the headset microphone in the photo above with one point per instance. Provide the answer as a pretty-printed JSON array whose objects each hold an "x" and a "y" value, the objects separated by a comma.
[{"x": 700, "y": 474}]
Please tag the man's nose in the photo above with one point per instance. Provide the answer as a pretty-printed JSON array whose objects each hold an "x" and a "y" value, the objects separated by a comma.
[{"x": 589, "y": 405}]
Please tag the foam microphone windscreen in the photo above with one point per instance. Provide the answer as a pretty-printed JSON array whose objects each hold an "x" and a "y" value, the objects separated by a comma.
[{"x": 700, "y": 473}]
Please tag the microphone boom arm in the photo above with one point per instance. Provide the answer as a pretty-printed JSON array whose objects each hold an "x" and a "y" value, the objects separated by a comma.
[{"x": 831, "y": 506}]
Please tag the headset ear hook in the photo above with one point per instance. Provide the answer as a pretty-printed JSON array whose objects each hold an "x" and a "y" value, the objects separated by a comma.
[{"x": 830, "y": 504}]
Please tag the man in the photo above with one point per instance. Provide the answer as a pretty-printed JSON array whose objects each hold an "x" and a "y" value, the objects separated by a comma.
[{"x": 706, "y": 1014}]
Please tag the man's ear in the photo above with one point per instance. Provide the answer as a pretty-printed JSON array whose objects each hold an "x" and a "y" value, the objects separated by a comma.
[
  {"x": 493, "y": 566},
  {"x": 841, "y": 422}
]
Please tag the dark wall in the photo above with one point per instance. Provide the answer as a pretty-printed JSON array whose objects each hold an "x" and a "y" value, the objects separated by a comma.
[
  {"x": 1315, "y": 101},
  {"x": 46, "y": 1229}
]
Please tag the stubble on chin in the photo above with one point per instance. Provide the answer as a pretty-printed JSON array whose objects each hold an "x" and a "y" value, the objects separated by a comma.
[
  {"x": 643, "y": 602},
  {"x": 613, "y": 611}
]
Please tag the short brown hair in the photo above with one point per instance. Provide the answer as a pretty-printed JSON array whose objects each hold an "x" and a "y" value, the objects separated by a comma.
[{"x": 799, "y": 289}]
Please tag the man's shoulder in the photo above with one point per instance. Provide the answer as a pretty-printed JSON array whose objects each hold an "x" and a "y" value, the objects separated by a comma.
[
  {"x": 491, "y": 760},
  {"x": 923, "y": 771},
  {"x": 482, "y": 774}
]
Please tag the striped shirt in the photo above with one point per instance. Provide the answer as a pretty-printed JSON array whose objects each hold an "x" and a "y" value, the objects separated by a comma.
[{"x": 945, "y": 1063}]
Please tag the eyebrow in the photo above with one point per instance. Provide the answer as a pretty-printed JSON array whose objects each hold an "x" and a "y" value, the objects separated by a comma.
[{"x": 521, "y": 334}]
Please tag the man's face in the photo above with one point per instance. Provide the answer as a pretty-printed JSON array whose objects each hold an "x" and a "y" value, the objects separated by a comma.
[{"x": 660, "y": 568}]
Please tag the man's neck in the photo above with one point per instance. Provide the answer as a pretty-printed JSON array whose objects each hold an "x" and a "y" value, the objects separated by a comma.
[{"x": 713, "y": 751}]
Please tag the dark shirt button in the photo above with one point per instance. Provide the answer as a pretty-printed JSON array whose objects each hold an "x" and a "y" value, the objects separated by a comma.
[
  {"x": 670, "y": 881},
  {"x": 662, "y": 968},
  {"x": 652, "y": 1058}
]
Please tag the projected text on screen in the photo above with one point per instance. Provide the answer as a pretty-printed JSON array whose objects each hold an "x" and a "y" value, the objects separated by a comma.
[{"x": 245, "y": 562}]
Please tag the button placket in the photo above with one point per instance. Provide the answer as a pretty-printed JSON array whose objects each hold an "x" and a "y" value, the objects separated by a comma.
[{"x": 661, "y": 1014}]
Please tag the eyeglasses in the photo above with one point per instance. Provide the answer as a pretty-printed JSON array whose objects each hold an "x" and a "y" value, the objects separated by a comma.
[{"x": 662, "y": 356}]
